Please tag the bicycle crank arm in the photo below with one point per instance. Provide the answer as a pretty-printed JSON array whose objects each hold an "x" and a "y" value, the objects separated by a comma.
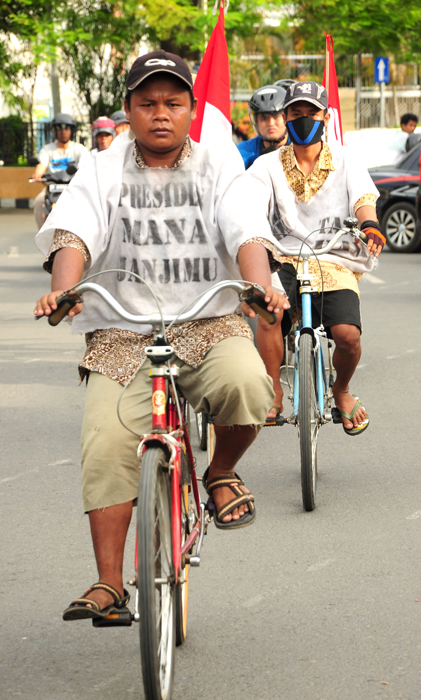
[{"x": 195, "y": 560}]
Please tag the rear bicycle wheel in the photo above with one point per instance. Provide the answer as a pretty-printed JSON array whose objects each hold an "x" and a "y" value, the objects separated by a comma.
[
  {"x": 308, "y": 421},
  {"x": 156, "y": 576}
]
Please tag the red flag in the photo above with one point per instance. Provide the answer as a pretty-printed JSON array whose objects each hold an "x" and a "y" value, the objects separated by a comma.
[
  {"x": 330, "y": 82},
  {"x": 212, "y": 89}
]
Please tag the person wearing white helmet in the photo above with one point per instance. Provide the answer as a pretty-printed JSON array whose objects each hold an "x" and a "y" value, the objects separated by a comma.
[
  {"x": 103, "y": 134},
  {"x": 57, "y": 156}
]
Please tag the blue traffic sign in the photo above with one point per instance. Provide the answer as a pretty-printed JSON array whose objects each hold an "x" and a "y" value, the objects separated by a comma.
[{"x": 381, "y": 69}]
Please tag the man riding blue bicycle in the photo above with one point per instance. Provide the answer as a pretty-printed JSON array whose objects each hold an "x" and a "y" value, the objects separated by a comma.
[{"x": 303, "y": 192}]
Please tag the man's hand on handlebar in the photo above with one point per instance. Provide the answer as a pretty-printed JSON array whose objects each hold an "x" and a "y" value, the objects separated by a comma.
[
  {"x": 277, "y": 302},
  {"x": 47, "y": 304},
  {"x": 375, "y": 238}
]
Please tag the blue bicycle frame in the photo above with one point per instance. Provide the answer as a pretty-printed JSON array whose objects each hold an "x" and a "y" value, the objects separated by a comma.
[{"x": 318, "y": 333}]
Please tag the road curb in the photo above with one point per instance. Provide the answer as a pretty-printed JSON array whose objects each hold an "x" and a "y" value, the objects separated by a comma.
[{"x": 19, "y": 203}]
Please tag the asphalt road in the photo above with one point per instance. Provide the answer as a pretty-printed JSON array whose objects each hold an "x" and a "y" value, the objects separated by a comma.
[{"x": 301, "y": 606}]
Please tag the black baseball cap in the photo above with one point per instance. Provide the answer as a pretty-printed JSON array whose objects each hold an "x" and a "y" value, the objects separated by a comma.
[
  {"x": 158, "y": 62},
  {"x": 309, "y": 91}
]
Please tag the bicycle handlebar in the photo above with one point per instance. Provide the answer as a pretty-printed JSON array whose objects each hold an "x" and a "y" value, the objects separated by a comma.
[
  {"x": 353, "y": 230},
  {"x": 246, "y": 292}
]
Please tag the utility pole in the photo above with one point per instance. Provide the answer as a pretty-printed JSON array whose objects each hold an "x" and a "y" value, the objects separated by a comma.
[
  {"x": 55, "y": 88},
  {"x": 358, "y": 92},
  {"x": 382, "y": 106}
]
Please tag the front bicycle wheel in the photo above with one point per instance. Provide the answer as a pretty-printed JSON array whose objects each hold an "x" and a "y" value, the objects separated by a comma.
[
  {"x": 308, "y": 420},
  {"x": 156, "y": 576},
  {"x": 182, "y": 587}
]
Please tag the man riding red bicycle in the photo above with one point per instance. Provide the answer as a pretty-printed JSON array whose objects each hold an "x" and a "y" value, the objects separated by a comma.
[{"x": 156, "y": 206}]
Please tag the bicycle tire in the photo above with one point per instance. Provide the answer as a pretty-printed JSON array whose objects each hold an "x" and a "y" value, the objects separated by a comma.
[
  {"x": 308, "y": 421},
  {"x": 156, "y": 598},
  {"x": 210, "y": 440},
  {"x": 182, "y": 587},
  {"x": 202, "y": 430}
]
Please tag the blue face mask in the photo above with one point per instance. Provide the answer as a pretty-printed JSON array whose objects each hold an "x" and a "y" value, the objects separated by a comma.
[{"x": 305, "y": 131}]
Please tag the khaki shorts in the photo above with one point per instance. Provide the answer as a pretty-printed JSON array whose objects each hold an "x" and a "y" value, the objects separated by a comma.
[{"x": 231, "y": 384}]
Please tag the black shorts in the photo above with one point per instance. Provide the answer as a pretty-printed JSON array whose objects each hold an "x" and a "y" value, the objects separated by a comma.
[{"x": 341, "y": 306}]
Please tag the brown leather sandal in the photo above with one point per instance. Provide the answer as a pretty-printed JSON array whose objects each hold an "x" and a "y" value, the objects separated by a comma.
[
  {"x": 240, "y": 498},
  {"x": 79, "y": 610}
]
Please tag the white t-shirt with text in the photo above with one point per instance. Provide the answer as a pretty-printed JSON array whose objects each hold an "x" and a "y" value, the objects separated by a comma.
[{"x": 173, "y": 227}]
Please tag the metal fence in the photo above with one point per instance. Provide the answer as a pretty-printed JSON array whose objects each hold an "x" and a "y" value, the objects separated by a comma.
[
  {"x": 397, "y": 103},
  {"x": 21, "y": 141}
]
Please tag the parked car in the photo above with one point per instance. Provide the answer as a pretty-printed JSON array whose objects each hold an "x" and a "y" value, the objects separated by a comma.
[{"x": 396, "y": 207}]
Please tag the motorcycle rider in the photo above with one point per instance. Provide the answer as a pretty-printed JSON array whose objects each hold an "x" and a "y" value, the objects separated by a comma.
[
  {"x": 121, "y": 122},
  {"x": 56, "y": 156},
  {"x": 265, "y": 110},
  {"x": 103, "y": 134}
]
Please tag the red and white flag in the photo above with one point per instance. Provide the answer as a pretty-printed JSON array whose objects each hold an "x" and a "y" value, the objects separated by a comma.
[
  {"x": 212, "y": 89},
  {"x": 330, "y": 82}
]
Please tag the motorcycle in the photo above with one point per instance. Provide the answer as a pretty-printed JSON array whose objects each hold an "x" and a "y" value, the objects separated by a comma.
[{"x": 56, "y": 183}]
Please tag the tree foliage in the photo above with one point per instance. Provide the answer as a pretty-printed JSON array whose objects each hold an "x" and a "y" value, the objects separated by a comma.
[
  {"x": 380, "y": 27},
  {"x": 94, "y": 41}
]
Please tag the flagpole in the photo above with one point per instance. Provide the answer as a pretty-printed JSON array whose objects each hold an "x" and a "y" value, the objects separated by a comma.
[{"x": 327, "y": 79}]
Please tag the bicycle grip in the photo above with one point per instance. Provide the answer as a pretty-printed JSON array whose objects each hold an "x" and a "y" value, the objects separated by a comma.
[
  {"x": 363, "y": 236},
  {"x": 64, "y": 304},
  {"x": 259, "y": 305}
]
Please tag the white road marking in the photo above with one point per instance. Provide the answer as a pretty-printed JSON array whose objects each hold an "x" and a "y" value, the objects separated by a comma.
[
  {"x": 33, "y": 471},
  {"x": 392, "y": 357},
  {"x": 373, "y": 279},
  {"x": 253, "y": 602},
  {"x": 17, "y": 476},
  {"x": 320, "y": 565},
  {"x": 361, "y": 366},
  {"x": 415, "y": 515},
  {"x": 35, "y": 359},
  {"x": 406, "y": 351}
]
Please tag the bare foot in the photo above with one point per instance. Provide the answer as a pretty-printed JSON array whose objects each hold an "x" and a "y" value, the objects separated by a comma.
[
  {"x": 222, "y": 495},
  {"x": 344, "y": 401}
]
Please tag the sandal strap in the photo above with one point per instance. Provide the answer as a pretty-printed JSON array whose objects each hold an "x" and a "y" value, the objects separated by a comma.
[
  {"x": 232, "y": 482},
  {"x": 109, "y": 589},
  {"x": 235, "y": 503},
  {"x": 349, "y": 416},
  {"x": 84, "y": 602}
]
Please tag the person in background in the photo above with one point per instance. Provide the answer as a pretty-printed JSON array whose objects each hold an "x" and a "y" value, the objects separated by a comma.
[
  {"x": 265, "y": 110},
  {"x": 409, "y": 122},
  {"x": 57, "y": 155},
  {"x": 121, "y": 122},
  {"x": 103, "y": 133}
]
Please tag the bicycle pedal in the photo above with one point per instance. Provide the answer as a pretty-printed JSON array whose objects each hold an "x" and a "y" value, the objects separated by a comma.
[
  {"x": 279, "y": 420},
  {"x": 336, "y": 415},
  {"x": 115, "y": 619}
]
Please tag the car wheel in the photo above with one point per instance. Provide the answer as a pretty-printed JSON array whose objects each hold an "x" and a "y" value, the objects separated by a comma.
[{"x": 400, "y": 228}]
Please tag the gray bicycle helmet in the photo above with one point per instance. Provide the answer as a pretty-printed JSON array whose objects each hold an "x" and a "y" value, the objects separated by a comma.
[
  {"x": 66, "y": 120},
  {"x": 285, "y": 83},
  {"x": 119, "y": 117},
  {"x": 267, "y": 99}
]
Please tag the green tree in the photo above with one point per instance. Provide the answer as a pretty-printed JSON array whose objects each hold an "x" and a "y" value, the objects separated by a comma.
[{"x": 382, "y": 28}]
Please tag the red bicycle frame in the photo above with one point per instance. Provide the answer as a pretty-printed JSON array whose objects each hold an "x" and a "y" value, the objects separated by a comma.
[{"x": 165, "y": 421}]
